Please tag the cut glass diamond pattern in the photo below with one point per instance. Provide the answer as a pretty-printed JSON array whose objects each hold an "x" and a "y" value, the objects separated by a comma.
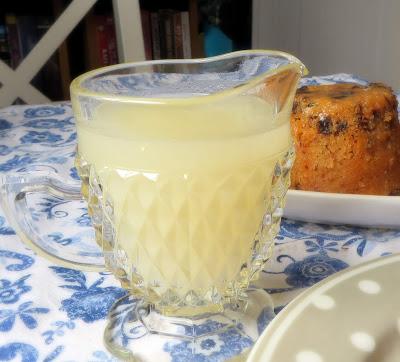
[{"x": 160, "y": 211}]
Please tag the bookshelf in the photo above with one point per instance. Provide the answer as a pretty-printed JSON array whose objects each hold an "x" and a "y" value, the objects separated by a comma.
[
  {"x": 17, "y": 81},
  {"x": 44, "y": 45}
]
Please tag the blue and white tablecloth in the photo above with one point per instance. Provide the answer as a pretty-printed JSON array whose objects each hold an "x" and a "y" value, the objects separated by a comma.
[{"x": 49, "y": 313}]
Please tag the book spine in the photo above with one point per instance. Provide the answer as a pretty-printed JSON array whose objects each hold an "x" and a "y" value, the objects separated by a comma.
[
  {"x": 111, "y": 41},
  {"x": 63, "y": 56},
  {"x": 13, "y": 40},
  {"x": 43, "y": 24},
  {"x": 102, "y": 40},
  {"x": 163, "y": 35},
  {"x": 28, "y": 37},
  {"x": 178, "y": 36},
  {"x": 91, "y": 45},
  {"x": 169, "y": 34},
  {"x": 146, "y": 28},
  {"x": 4, "y": 47},
  {"x": 155, "y": 35},
  {"x": 27, "y": 33},
  {"x": 196, "y": 38},
  {"x": 186, "y": 42},
  {"x": 48, "y": 77}
]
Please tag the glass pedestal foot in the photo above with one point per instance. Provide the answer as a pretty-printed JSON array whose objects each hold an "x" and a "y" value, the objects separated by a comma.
[{"x": 135, "y": 332}]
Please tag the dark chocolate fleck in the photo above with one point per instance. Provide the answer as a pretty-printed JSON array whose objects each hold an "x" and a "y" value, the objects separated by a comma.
[
  {"x": 341, "y": 126},
  {"x": 376, "y": 115},
  {"x": 325, "y": 125},
  {"x": 390, "y": 122},
  {"x": 366, "y": 124}
]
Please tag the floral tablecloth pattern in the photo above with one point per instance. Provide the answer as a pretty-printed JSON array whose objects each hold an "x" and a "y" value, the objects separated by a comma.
[{"x": 50, "y": 313}]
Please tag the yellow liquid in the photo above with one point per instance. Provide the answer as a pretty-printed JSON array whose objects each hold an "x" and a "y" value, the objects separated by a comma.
[{"x": 189, "y": 184}]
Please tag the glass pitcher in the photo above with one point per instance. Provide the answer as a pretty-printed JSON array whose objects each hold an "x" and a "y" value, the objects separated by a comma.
[{"x": 184, "y": 166}]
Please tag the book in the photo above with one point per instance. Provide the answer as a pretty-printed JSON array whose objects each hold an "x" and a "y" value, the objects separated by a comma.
[
  {"x": 4, "y": 47},
  {"x": 13, "y": 40},
  {"x": 196, "y": 39},
  {"x": 186, "y": 41},
  {"x": 30, "y": 30},
  {"x": 146, "y": 29},
  {"x": 92, "y": 59},
  {"x": 178, "y": 41},
  {"x": 155, "y": 35},
  {"x": 63, "y": 56},
  {"x": 111, "y": 37},
  {"x": 162, "y": 33},
  {"x": 27, "y": 36},
  {"x": 101, "y": 43},
  {"x": 49, "y": 79},
  {"x": 169, "y": 33}
]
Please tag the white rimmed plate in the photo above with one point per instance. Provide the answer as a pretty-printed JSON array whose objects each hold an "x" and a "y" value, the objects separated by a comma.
[
  {"x": 330, "y": 208},
  {"x": 353, "y": 315}
]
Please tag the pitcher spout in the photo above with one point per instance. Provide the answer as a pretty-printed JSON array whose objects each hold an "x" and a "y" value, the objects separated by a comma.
[
  {"x": 275, "y": 77},
  {"x": 175, "y": 81}
]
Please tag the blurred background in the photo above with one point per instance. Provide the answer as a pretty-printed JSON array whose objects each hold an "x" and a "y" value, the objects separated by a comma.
[
  {"x": 351, "y": 36},
  {"x": 45, "y": 44}
]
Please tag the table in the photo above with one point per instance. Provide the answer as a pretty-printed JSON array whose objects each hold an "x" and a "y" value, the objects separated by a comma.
[{"x": 49, "y": 313}]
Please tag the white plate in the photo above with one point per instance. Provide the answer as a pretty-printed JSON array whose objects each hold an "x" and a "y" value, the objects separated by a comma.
[
  {"x": 353, "y": 315},
  {"x": 362, "y": 210}
]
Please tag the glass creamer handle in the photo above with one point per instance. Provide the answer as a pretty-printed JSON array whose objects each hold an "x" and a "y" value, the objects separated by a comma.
[{"x": 23, "y": 194}]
